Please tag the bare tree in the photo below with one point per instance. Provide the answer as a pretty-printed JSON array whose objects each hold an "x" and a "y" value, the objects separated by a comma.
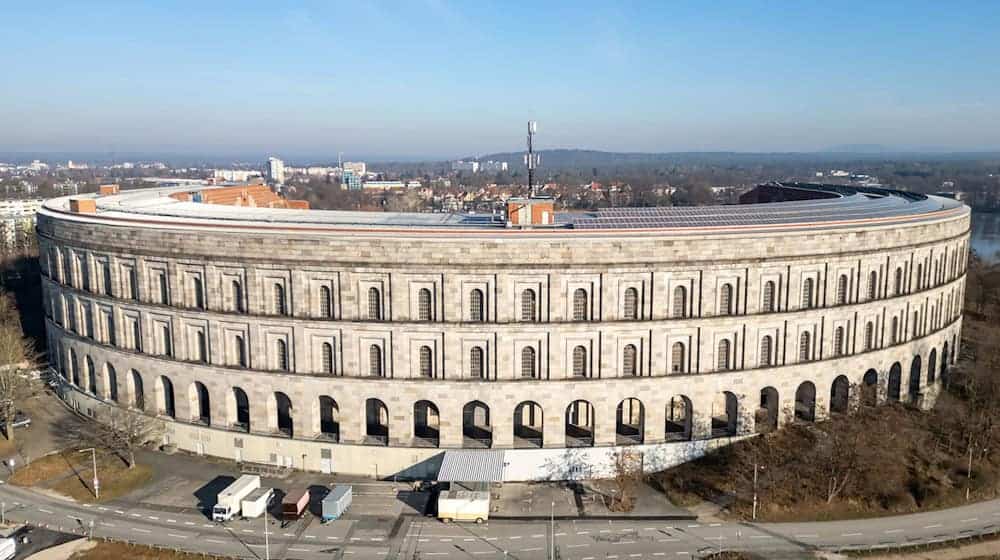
[
  {"x": 17, "y": 359},
  {"x": 627, "y": 476},
  {"x": 122, "y": 432}
]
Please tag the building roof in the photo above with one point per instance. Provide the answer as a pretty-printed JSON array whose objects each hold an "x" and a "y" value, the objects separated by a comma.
[
  {"x": 472, "y": 465},
  {"x": 804, "y": 206}
]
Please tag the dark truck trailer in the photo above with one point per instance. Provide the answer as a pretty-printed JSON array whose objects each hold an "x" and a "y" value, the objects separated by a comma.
[{"x": 294, "y": 504}]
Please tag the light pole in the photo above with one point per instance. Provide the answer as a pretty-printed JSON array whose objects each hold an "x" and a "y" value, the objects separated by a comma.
[
  {"x": 97, "y": 483},
  {"x": 753, "y": 515},
  {"x": 552, "y": 528},
  {"x": 267, "y": 543}
]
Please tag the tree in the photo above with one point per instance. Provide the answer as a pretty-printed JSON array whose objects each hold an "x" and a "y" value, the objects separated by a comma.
[
  {"x": 17, "y": 359},
  {"x": 626, "y": 478},
  {"x": 122, "y": 432}
]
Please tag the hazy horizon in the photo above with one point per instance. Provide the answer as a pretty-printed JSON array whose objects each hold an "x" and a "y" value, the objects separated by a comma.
[{"x": 434, "y": 80}]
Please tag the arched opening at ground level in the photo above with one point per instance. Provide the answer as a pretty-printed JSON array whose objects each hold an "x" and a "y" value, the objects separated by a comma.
[
  {"x": 932, "y": 367},
  {"x": 840, "y": 395},
  {"x": 630, "y": 422},
  {"x": 240, "y": 409},
  {"x": 869, "y": 388},
  {"x": 679, "y": 419},
  {"x": 329, "y": 418},
  {"x": 198, "y": 404},
  {"x": 805, "y": 402},
  {"x": 895, "y": 383},
  {"x": 426, "y": 424},
  {"x": 725, "y": 408},
  {"x": 283, "y": 407},
  {"x": 913, "y": 386},
  {"x": 528, "y": 420},
  {"x": 766, "y": 417},
  {"x": 376, "y": 422},
  {"x": 476, "y": 429},
  {"x": 579, "y": 424}
]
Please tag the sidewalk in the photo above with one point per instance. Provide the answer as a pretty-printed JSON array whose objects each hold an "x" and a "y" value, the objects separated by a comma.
[{"x": 583, "y": 500}]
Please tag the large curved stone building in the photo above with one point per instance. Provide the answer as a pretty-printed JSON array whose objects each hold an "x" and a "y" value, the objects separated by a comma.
[{"x": 369, "y": 343}]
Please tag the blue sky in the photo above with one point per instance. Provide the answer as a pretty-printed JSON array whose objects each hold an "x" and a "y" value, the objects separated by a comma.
[{"x": 446, "y": 79}]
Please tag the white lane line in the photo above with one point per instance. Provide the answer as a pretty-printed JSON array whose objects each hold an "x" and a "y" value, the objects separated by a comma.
[
  {"x": 433, "y": 553},
  {"x": 761, "y": 537},
  {"x": 659, "y": 554},
  {"x": 891, "y": 531},
  {"x": 43, "y": 510},
  {"x": 969, "y": 520},
  {"x": 289, "y": 534},
  {"x": 667, "y": 540},
  {"x": 576, "y": 545},
  {"x": 466, "y": 540},
  {"x": 719, "y": 538},
  {"x": 515, "y": 537},
  {"x": 119, "y": 512},
  {"x": 484, "y": 552},
  {"x": 135, "y": 514},
  {"x": 299, "y": 549},
  {"x": 106, "y": 524},
  {"x": 635, "y": 555},
  {"x": 102, "y": 508},
  {"x": 538, "y": 536},
  {"x": 935, "y": 526},
  {"x": 560, "y": 534},
  {"x": 189, "y": 523},
  {"x": 214, "y": 541},
  {"x": 537, "y": 548},
  {"x": 86, "y": 505},
  {"x": 246, "y": 531},
  {"x": 171, "y": 521},
  {"x": 442, "y": 540},
  {"x": 207, "y": 525},
  {"x": 138, "y": 530},
  {"x": 154, "y": 518},
  {"x": 715, "y": 524},
  {"x": 176, "y": 536},
  {"x": 311, "y": 536},
  {"x": 810, "y": 536},
  {"x": 851, "y": 534},
  {"x": 583, "y": 532},
  {"x": 695, "y": 526},
  {"x": 418, "y": 540},
  {"x": 335, "y": 538}
]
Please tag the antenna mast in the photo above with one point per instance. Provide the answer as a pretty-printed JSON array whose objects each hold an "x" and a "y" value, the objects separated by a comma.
[{"x": 530, "y": 159}]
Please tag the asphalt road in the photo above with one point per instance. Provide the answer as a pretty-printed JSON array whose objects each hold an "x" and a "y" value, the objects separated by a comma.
[{"x": 418, "y": 537}]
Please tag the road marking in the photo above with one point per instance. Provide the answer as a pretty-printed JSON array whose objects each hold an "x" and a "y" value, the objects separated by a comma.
[
  {"x": 119, "y": 512},
  {"x": 442, "y": 540},
  {"x": 208, "y": 525},
  {"x": 695, "y": 526},
  {"x": 135, "y": 515},
  {"x": 515, "y": 537},
  {"x": 299, "y": 549},
  {"x": 418, "y": 540},
  {"x": 811, "y": 536},
  {"x": 289, "y": 534},
  {"x": 466, "y": 540},
  {"x": 171, "y": 521},
  {"x": 659, "y": 554},
  {"x": 313, "y": 537},
  {"x": 576, "y": 545},
  {"x": 969, "y": 520},
  {"x": 583, "y": 532},
  {"x": 560, "y": 534},
  {"x": 246, "y": 531},
  {"x": 433, "y": 553},
  {"x": 719, "y": 538},
  {"x": 138, "y": 530},
  {"x": 43, "y": 510},
  {"x": 102, "y": 508},
  {"x": 935, "y": 526},
  {"x": 484, "y": 552},
  {"x": 761, "y": 537},
  {"x": 851, "y": 534},
  {"x": 154, "y": 518},
  {"x": 635, "y": 555},
  {"x": 176, "y": 536},
  {"x": 715, "y": 524},
  {"x": 537, "y": 548},
  {"x": 214, "y": 541},
  {"x": 537, "y": 536},
  {"x": 891, "y": 531},
  {"x": 86, "y": 505},
  {"x": 335, "y": 538},
  {"x": 667, "y": 540}
]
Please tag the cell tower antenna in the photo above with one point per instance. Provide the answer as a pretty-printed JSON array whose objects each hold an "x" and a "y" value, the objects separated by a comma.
[{"x": 531, "y": 160}]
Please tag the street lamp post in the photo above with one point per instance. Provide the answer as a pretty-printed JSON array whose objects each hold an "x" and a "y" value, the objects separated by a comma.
[
  {"x": 267, "y": 543},
  {"x": 552, "y": 528},
  {"x": 97, "y": 483},
  {"x": 753, "y": 515}
]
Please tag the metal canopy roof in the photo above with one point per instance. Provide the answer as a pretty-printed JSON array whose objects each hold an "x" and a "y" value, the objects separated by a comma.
[{"x": 472, "y": 465}]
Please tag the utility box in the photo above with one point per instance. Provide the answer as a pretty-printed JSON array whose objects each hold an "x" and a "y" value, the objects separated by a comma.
[
  {"x": 111, "y": 188},
  {"x": 530, "y": 212},
  {"x": 83, "y": 205}
]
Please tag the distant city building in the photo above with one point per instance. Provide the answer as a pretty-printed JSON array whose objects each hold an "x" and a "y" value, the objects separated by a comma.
[
  {"x": 71, "y": 165},
  {"x": 839, "y": 173},
  {"x": 318, "y": 171},
  {"x": 235, "y": 175},
  {"x": 493, "y": 166},
  {"x": 17, "y": 221},
  {"x": 470, "y": 166},
  {"x": 350, "y": 180},
  {"x": 359, "y": 168},
  {"x": 383, "y": 185},
  {"x": 275, "y": 170},
  {"x": 67, "y": 188},
  {"x": 414, "y": 184}
]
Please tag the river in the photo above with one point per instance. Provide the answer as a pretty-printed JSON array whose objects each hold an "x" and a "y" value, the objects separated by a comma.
[{"x": 986, "y": 235}]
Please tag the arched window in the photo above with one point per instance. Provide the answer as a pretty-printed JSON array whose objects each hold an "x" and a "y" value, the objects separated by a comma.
[
  {"x": 842, "y": 289},
  {"x": 916, "y": 323},
  {"x": 722, "y": 355},
  {"x": 374, "y": 304},
  {"x": 898, "y": 282},
  {"x": 579, "y": 362},
  {"x": 920, "y": 276},
  {"x": 805, "y": 350},
  {"x": 767, "y": 300},
  {"x": 281, "y": 355},
  {"x": 279, "y": 299},
  {"x": 241, "y": 351},
  {"x": 528, "y": 305},
  {"x": 527, "y": 362},
  {"x": 477, "y": 369},
  {"x": 869, "y": 335},
  {"x": 424, "y": 305},
  {"x": 580, "y": 307},
  {"x": 677, "y": 358},
  {"x": 807, "y": 293},
  {"x": 106, "y": 274},
  {"x": 237, "y": 297},
  {"x": 630, "y": 306},
  {"x": 477, "y": 311},
  {"x": 680, "y": 302},
  {"x": 325, "y": 302},
  {"x": 765, "y": 351},
  {"x": 894, "y": 333},
  {"x": 873, "y": 285},
  {"x": 426, "y": 362},
  {"x": 199, "y": 294},
  {"x": 838, "y": 341},
  {"x": 326, "y": 358},
  {"x": 375, "y": 360},
  {"x": 630, "y": 361},
  {"x": 726, "y": 299}
]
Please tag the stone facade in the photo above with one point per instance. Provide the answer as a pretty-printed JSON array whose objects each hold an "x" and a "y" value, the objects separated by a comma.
[{"x": 365, "y": 351}]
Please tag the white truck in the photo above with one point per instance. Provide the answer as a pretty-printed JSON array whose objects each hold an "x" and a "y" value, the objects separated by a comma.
[
  {"x": 228, "y": 502},
  {"x": 464, "y": 502},
  {"x": 255, "y": 504},
  {"x": 8, "y": 548}
]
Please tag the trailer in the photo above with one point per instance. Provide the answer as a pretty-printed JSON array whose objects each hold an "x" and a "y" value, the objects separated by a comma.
[
  {"x": 337, "y": 501},
  {"x": 227, "y": 503},
  {"x": 464, "y": 502},
  {"x": 255, "y": 504},
  {"x": 294, "y": 504}
]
